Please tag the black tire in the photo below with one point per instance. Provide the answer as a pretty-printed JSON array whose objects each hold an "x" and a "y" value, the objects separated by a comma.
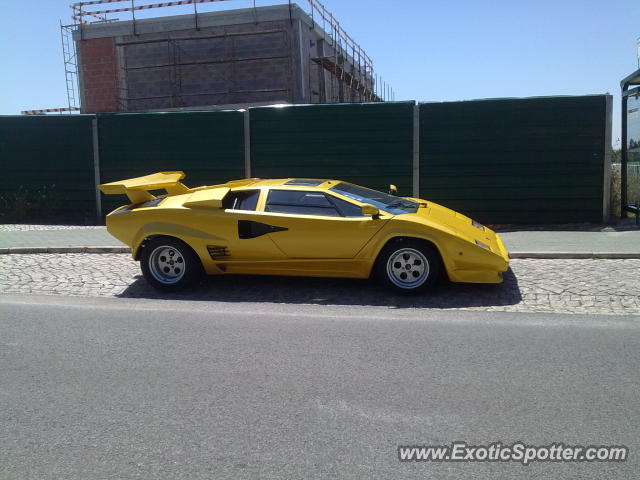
[
  {"x": 408, "y": 266},
  {"x": 170, "y": 265}
]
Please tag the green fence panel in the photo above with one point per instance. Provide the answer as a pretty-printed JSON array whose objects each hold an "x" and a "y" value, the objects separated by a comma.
[
  {"x": 532, "y": 160},
  {"x": 369, "y": 144},
  {"x": 537, "y": 160},
  {"x": 47, "y": 169},
  {"x": 207, "y": 146}
]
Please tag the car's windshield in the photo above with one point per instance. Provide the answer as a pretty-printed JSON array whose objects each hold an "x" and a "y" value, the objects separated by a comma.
[{"x": 385, "y": 202}]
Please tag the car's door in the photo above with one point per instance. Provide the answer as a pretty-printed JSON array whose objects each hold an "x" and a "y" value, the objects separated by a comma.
[
  {"x": 314, "y": 224},
  {"x": 239, "y": 215}
]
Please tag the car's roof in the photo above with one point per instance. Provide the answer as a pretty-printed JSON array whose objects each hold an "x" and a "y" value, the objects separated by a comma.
[{"x": 306, "y": 183}]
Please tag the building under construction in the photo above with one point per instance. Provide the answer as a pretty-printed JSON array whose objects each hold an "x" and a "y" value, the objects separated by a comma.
[{"x": 278, "y": 54}]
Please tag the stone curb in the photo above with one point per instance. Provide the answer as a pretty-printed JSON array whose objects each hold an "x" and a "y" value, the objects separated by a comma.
[
  {"x": 32, "y": 250},
  {"x": 574, "y": 255},
  {"x": 512, "y": 255}
]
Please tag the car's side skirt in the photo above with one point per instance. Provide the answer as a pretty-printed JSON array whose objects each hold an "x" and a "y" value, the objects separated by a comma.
[{"x": 348, "y": 268}]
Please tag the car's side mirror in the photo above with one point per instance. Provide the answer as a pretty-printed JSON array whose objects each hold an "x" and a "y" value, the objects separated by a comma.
[
  {"x": 393, "y": 190},
  {"x": 368, "y": 209}
]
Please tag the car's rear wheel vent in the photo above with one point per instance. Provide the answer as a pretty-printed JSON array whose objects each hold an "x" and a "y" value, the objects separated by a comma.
[{"x": 217, "y": 252}]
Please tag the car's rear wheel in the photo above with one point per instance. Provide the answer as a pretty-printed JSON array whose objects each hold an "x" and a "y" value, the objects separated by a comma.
[
  {"x": 169, "y": 264},
  {"x": 408, "y": 266}
]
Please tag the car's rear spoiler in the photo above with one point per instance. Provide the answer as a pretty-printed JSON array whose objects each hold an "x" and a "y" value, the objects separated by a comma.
[{"x": 137, "y": 189}]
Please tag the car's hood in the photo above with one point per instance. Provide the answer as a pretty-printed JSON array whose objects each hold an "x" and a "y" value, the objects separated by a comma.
[{"x": 463, "y": 226}]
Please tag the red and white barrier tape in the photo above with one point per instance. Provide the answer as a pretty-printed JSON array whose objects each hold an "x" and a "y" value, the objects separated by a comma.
[
  {"x": 49, "y": 110},
  {"x": 97, "y": 2},
  {"x": 99, "y": 19},
  {"x": 138, "y": 7}
]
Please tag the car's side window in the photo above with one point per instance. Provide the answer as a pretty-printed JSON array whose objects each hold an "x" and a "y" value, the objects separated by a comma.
[
  {"x": 241, "y": 200},
  {"x": 300, "y": 203},
  {"x": 346, "y": 209}
]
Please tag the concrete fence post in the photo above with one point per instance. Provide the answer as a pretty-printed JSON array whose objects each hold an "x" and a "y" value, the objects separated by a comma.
[
  {"x": 416, "y": 151},
  {"x": 247, "y": 144},
  {"x": 96, "y": 168},
  {"x": 606, "y": 172}
]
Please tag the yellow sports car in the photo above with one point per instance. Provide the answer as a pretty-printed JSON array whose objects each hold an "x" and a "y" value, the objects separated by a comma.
[{"x": 298, "y": 226}]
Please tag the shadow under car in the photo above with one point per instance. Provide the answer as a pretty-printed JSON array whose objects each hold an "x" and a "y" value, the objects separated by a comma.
[{"x": 334, "y": 291}]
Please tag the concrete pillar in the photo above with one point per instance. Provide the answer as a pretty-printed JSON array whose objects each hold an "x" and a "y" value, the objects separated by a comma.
[
  {"x": 340, "y": 61},
  {"x": 322, "y": 88},
  {"x": 416, "y": 151},
  {"x": 96, "y": 168},
  {"x": 606, "y": 187}
]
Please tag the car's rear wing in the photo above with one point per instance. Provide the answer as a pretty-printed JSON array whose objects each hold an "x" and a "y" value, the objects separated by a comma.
[{"x": 137, "y": 189}]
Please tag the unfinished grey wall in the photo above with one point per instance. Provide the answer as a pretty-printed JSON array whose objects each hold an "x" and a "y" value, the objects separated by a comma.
[
  {"x": 233, "y": 58},
  {"x": 248, "y": 63}
]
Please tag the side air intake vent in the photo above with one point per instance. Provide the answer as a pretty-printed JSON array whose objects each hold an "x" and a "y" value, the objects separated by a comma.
[{"x": 217, "y": 252}]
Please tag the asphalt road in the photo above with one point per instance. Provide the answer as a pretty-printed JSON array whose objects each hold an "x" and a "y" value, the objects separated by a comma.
[{"x": 102, "y": 388}]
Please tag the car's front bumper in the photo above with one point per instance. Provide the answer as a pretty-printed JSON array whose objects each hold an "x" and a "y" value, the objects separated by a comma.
[{"x": 481, "y": 266}]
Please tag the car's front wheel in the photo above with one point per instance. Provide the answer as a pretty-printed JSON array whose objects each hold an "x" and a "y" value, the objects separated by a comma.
[
  {"x": 408, "y": 266},
  {"x": 169, "y": 264}
]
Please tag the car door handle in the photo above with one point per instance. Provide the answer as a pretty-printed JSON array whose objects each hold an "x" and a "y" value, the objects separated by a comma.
[{"x": 250, "y": 229}]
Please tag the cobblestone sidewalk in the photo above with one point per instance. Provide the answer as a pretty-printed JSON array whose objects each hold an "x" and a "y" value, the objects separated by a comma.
[{"x": 532, "y": 285}]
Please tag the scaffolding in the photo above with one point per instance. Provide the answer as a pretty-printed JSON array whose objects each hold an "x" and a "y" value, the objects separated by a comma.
[
  {"x": 349, "y": 62},
  {"x": 70, "y": 58},
  {"x": 346, "y": 62}
]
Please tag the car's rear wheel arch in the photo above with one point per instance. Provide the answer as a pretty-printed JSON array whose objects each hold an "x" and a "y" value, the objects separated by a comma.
[
  {"x": 149, "y": 238},
  {"x": 157, "y": 262},
  {"x": 143, "y": 244}
]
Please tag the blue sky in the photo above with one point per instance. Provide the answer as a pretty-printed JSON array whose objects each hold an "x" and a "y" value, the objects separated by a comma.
[{"x": 428, "y": 50}]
